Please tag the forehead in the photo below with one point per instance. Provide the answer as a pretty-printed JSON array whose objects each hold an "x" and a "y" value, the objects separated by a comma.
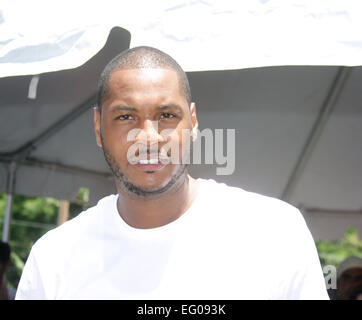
[
  {"x": 129, "y": 83},
  {"x": 353, "y": 271}
]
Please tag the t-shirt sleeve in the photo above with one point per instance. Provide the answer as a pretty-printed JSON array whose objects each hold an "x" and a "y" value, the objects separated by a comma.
[
  {"x": 308, "y": 281},
  {"x": 31, "y": 286}
]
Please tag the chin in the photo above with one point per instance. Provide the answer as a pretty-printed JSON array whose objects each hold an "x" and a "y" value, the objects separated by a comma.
[{"x": 153, "y": 183}]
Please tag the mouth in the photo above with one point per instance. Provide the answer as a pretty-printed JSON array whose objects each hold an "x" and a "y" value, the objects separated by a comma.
[{"x": 150, "y": 163}]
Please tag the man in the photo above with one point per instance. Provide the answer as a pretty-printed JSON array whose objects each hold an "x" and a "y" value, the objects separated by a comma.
[
  {"x": 349, "y": 279},
  {"x": 6, "y": 292},
  {"x": 165, "y": 235}
]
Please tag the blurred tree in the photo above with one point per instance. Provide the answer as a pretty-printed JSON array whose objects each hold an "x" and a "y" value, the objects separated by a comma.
[{"x": 334, "y": 252}]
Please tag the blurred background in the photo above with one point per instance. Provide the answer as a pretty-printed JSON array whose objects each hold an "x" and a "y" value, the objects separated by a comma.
[{"x": 286, "y": 75}]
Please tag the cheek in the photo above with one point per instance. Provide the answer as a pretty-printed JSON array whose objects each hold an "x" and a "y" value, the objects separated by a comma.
[
  {"x": 178, "y": 135},
  {"x": 116, "y": 142},
  {"x": 185, "y": 139},
  {"x": 177, "y": 146}
]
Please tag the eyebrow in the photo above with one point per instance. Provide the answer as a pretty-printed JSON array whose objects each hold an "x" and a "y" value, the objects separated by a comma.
[
  {"x": 170, "y": 106},
  {"x": 162, "y": 107},
  {"x": 123, "y": 108}
]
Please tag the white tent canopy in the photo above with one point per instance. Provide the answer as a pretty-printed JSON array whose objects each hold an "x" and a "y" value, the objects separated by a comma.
[
  {"x": 40, "y": 36},
  {"x": 298, "y": 128}
]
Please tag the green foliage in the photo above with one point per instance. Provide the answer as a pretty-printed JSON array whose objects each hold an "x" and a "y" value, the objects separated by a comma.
[
  {"x": 2, "y": 204},
  {"x": 334, "y": 252},
  {"x": 83, "y": 195},
  {"x": 14, "y": 273}
]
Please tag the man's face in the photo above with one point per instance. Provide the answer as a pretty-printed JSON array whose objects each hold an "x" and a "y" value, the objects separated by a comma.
[
  {"x": 144, "y": 102},
  {"x": 349, "y": 280}
]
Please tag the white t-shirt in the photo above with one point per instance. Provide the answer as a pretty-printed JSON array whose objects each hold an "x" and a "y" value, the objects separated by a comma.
[{"x": 230, "y": 244}]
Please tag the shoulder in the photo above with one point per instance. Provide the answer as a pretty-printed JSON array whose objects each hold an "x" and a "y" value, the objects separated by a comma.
[
  {"x": 246, "y": 213},
  {"x": 241, "y": 202},
  {"x": 73, "y": 230},
  {"x": 55, "y": 253}
]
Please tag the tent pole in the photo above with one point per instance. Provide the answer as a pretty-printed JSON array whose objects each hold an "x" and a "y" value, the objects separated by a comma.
[
  {"x": 9, "y": 202},
  {"x": 63, "y": 214}
]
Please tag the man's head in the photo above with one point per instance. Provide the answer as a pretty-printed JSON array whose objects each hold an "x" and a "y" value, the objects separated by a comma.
[
  {"x": 349, "y": 277},
  {"x": 141, "y": 58},
  {"x": 143, "y": 94}
]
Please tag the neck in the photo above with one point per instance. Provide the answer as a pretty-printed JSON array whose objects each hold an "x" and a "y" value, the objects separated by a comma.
[{"x": 144, "y": 213}]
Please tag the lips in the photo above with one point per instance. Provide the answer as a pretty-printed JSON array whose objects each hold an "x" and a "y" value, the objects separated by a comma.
[{"x": 150, "y": 167}]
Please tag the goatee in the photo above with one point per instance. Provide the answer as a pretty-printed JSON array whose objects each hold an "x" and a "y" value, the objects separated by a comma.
[{"x": 130, "y": 187}]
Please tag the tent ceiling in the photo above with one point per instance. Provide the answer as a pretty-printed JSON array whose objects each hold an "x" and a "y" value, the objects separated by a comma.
[
  {"x": 28, "y": 126},
  {"x": 275, "y": 111}
]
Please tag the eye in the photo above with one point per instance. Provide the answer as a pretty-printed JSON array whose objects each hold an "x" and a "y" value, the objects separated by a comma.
[
  {"x": 167, "y": 115},
  {"x": 125, "y": 117}
]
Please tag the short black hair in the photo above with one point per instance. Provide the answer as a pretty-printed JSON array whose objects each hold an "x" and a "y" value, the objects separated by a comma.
[
  {"x": 4, "y": 252},
  {"x": 137, "y": 58}
]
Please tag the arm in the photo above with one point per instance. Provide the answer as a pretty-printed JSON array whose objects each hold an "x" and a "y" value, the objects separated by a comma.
[
  {"x": 31, "y": 286},
  {"x": 309, "y": 282}
]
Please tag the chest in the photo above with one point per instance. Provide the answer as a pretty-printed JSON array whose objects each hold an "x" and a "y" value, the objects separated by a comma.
[{"x": 191, "y": 265}]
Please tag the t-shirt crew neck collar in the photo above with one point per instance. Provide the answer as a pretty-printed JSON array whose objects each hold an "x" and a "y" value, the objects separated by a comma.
[{"x": 126, "y": 228}]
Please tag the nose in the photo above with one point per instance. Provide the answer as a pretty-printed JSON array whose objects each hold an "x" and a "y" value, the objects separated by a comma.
[{"x": 149, "y": 133}]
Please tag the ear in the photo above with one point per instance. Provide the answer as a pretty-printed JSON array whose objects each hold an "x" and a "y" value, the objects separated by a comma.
[
  {"x": 97, "y": 125},
  {"x": 194, "y": 122}
]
